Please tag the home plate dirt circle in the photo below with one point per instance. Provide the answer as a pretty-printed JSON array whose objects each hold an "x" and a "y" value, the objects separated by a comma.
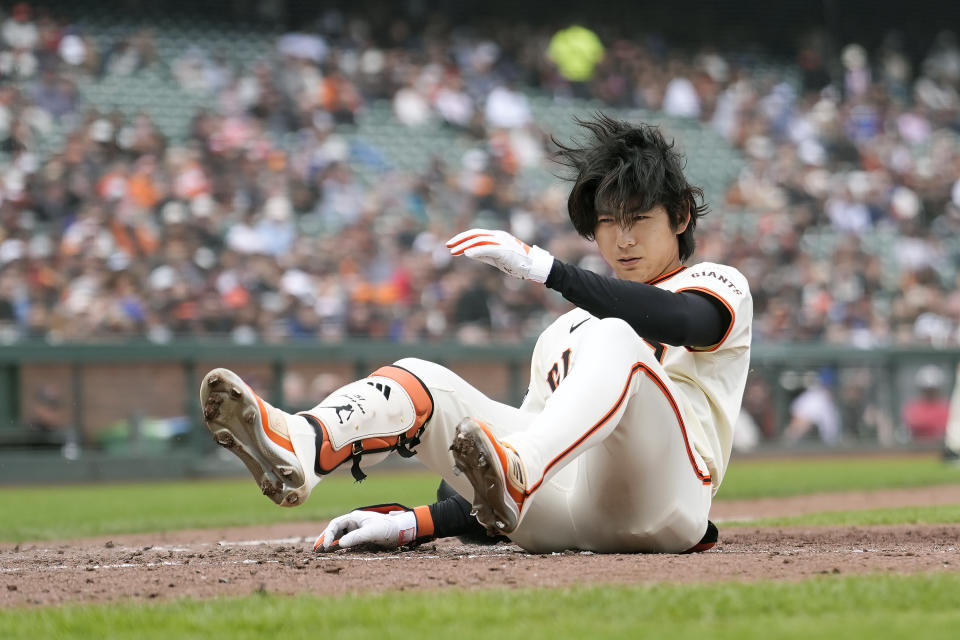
[{"x": 279, "y": 558}]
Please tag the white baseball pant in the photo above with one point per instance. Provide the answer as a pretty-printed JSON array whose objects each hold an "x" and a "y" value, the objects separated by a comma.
[{"x": 608, "y": 463}]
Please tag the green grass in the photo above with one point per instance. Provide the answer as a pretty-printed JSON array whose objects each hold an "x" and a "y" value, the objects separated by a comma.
[
  {"x": 45, "y": 513},
  {"x": 876, "y": 607},
  {"x": 939, "y": 514},
  {"x": 777, "y": 478},
  {"x": 64, "y": 512}
]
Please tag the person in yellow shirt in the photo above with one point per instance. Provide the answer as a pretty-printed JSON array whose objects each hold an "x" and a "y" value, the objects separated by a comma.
[{"x": 576, "y": 51}]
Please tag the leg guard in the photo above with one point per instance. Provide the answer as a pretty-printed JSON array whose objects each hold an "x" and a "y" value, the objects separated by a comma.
[{"x": 387, "y": 411}]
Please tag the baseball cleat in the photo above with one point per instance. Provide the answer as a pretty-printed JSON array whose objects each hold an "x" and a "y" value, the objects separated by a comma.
[
  {"x": 496, "y": 472},
  {"x": 708, "y": 541},
  {"x": 276, "y": 447}
]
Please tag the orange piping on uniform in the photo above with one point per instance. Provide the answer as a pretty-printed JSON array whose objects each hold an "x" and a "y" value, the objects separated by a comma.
[
  {"x": 733, "y": 317},
  {"x": 667, "y": 276},
  {"x": 639, "y": 366},
  {"x": 705, "y": 477}
]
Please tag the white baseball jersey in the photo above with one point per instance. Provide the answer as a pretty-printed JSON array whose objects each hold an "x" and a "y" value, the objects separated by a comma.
[{"x": 711, "y": 380}]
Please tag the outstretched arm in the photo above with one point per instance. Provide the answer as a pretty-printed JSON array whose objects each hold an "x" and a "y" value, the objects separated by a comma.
[{"x": 686, "y": 318}]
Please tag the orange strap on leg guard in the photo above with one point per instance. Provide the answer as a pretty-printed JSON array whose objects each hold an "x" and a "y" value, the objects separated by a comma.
[{"x": 351, "y": 401}]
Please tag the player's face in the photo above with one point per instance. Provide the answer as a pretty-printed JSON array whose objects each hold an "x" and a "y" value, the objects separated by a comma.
[{"x": 645, "y": 250}]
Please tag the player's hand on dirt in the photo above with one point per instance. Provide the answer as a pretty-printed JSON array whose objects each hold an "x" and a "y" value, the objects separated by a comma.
[
  {"x": 368, "y": 528},
  {"x": 503, "y": 251}
]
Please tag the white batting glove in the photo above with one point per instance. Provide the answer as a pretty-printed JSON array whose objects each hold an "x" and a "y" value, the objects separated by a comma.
[
  {"x": 383, "y": 530},
  {"x": 503, "y": 251}
]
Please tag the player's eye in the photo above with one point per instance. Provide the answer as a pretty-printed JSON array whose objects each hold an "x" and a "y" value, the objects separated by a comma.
[{"x": 604, "y": 219}]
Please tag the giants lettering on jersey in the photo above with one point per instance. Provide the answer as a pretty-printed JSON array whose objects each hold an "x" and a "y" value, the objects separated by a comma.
[{"x": 719, "y": 277}]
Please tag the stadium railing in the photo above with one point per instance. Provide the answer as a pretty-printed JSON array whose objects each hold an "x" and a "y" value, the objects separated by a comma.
[{"x": 92, "y": 411}]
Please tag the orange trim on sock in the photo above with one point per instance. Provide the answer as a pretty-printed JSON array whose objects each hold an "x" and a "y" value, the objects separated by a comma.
[
  {"x": 418, "y": 392},
  {"x": 424, "y": 521},
  {"x": 276, "y": 438}
]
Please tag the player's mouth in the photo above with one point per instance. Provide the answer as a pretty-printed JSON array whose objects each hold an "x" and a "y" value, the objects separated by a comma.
[{"x": 629, "y": 262}]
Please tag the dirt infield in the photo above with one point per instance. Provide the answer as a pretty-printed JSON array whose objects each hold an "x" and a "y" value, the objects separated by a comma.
[{"x": 278, "y": 559}]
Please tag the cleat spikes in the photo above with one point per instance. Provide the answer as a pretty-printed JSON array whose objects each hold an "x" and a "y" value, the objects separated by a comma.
[
  {"x": 270, "y": 489},
  {"x": 243, "y": 424},
  {"x": 488, "y": 466}
]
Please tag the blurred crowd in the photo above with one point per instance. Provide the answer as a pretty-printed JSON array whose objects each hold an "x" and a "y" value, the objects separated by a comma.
[{"x": 261, "y": 227}]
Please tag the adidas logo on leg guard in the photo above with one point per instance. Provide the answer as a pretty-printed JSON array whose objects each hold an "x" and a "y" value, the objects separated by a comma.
[
  {"x": 496, "y": 472},
  {"x": 370, "y": 418},
  {"x": 276, "y": 447}
]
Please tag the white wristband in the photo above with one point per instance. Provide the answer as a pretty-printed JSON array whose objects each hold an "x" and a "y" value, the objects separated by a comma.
[
  {"x": 408, "y": 526},
  {"x": 540, "y": 264}
]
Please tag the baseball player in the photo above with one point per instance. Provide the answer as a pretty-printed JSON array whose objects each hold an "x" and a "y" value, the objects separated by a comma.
[
  {"x": 626, "y": 429},
  {"x": 951, "y": 442}
]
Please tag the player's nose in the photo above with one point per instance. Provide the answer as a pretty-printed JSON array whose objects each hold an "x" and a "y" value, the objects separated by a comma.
[{"x": 626, "y": 237}]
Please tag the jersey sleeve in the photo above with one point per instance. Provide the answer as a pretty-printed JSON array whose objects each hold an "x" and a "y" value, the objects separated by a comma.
[{"x": 730, "y": 288}]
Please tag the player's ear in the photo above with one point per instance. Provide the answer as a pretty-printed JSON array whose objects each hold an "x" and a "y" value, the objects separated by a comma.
[{"x": 683, "y": 219}]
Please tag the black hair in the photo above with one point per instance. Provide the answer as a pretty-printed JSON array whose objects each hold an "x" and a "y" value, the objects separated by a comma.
[{"x": 624, "y": 168}]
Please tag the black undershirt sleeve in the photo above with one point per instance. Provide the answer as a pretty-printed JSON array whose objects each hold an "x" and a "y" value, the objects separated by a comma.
[
  {"x": 451, "y": 517},
  {"x": 687, "y": 318}
]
